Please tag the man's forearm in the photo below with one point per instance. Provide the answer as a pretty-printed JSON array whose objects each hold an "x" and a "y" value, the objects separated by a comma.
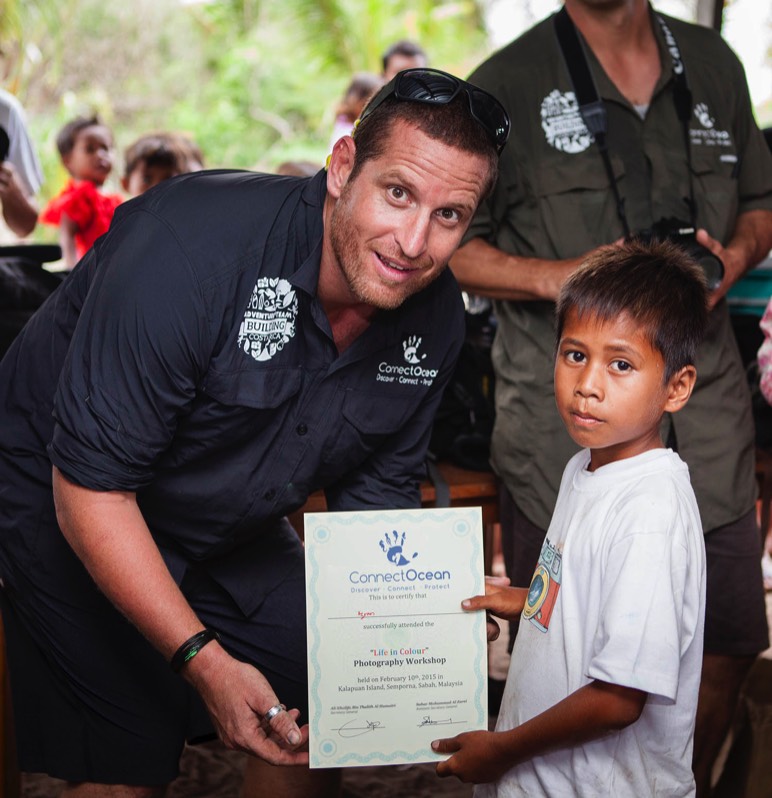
[
  {"x": 110, "y": 536},
  {"x": 481, "y": 268}
]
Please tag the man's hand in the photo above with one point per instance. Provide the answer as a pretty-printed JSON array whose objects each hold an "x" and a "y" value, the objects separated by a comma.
[
  {"x": 477, "y": 757},
  {"x": 734, "y": 265},
  {"x": 237, "y": 697},
  {"x": 749, "y": 244},
  {"x": 108, "y": 533}
]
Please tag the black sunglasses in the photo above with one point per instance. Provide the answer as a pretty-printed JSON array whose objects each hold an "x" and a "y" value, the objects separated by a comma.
[{"x": 435, "y": 87}]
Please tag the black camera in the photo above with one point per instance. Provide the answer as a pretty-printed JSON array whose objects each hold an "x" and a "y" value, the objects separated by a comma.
[{"x": 683, "y": 235}]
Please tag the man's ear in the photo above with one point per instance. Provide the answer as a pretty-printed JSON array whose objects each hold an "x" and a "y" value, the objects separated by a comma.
[
  {"x": 340, "y": 166},
  {"x": 679, "y": 388}
]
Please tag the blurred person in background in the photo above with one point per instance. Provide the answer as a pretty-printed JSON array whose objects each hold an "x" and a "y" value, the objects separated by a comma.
[
  {"x": 20, "y": 172},
  {"x": 81, "y": 211}
]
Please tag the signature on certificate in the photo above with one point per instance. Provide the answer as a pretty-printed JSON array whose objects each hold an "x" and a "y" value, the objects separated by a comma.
[
  {"x": 356, "y": 727},
  {"x": 427, "y": 720}
]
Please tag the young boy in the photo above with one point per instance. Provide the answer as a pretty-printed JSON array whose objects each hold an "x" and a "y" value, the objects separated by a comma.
[
  {"x": 155, "y": 157},
  {"x": 602, "y": 688}
]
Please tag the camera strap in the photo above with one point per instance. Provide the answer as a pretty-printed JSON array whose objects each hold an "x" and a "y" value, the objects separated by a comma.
[{"x": 593, "y": 109}]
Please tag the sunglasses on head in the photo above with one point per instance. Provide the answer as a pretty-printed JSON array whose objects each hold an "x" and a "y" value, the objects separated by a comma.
[{"x": 434, "y": 87}]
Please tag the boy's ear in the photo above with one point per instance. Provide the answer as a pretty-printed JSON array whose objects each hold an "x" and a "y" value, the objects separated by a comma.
[
  {"x": 679, "y": 388},
  {"x": 340, "y": 166}
]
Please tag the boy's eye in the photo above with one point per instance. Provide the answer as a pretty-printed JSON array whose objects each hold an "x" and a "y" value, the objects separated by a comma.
[
  {"x": 572, "y": 356},
  {"x": 621, "y": 365}
]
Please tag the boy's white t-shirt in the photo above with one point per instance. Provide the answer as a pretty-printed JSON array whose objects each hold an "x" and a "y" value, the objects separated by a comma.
[{"x": 618, "y": 595}]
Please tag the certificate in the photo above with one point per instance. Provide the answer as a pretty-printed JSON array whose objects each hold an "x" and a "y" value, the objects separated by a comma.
[{"x": 394, "y": 662}]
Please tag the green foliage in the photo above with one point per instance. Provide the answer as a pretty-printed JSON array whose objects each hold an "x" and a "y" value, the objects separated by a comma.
[{"x": 254, "y": 83}]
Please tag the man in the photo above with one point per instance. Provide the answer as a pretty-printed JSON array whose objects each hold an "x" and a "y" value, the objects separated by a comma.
[
  {"x": 403, "y": 54},
  {"x": 555, "y": 202},
  {"x": 214, "y": 359},
  {"x": 20, "y": 174}
]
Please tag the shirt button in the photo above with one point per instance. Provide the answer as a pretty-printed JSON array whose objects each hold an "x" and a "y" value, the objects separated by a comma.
[
  {"x": 269, "y": 495},
  {"x": 301, "y": 429}
]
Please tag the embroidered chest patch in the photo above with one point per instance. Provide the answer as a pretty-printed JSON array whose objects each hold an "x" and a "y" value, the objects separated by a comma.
[
  {"x": 562, "y": 123},
  {"x": 269, "y": 321}
]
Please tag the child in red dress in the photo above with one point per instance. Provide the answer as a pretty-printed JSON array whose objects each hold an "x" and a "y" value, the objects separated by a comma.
[{"x": 81, "y": 211}]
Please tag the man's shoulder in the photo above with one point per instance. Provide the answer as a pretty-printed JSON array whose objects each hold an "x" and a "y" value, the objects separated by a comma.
[
  {"x": 221, "y": 195},
  {"x": 220, "y": 216},
  {"x": 526, "y": 53},
  {"x": 699, "y": 44}
]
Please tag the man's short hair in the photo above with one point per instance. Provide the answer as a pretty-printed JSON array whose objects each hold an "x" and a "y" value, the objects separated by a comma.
[
  {"x": 65, "y": 138},
  {"x": 656, "y": 284},
  {"x": 451, "y": 123},
  {"x": 402, "y": 47}
]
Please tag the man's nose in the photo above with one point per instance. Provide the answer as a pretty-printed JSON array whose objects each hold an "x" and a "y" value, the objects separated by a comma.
[{"x": 413, "y": 236}]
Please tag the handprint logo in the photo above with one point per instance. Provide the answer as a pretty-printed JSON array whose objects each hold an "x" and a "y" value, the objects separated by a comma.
[
  {"x": 393, "y": 545},
  {"x": 703, "y": 114},
  {"x": 410, "y": 346}
]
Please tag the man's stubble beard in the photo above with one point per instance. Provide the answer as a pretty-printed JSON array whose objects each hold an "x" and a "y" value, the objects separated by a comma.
[{"x": 351, "y": 264}]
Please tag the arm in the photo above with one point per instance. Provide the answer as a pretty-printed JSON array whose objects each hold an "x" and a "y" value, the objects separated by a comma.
[
  {"x": 19, "y": 210},
  {"x": 591, "y": 712},
  {"x": 483, "y": 269},
  {"x": 750, "y": 243},
  {"x": 108, "y": 533},
  {"x": 67, "y": 230}
]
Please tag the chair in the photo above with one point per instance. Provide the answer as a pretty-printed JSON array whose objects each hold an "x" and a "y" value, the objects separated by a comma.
[{"x": 24, "y": 285}]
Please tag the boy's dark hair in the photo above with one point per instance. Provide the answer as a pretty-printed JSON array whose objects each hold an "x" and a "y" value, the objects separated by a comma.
[
  {"x": 402, "y": 47},
  {"x": 65, "y": 139},
  {"x": 172, "y": 151},
  {"x": 452, "y": 124},
  {"x": 657, "y": 284}
]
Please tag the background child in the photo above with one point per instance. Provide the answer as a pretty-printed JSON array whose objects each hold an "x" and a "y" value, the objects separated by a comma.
[
  {"x": 81, "y": 211},
  {"x": 155, "y": 157},
  {"x": 362, "y": 87},
  {"x": 602, "y": 689}
]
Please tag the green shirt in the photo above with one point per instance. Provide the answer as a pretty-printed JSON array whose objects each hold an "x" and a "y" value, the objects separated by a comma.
[{"x": 553, "y": 200}]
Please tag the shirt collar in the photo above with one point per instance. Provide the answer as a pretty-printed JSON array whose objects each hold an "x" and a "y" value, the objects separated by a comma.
[{"x": 307, "y": 275}]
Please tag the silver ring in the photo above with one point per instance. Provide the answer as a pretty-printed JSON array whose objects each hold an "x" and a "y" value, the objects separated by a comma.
[{"x": 273, "y": 712}]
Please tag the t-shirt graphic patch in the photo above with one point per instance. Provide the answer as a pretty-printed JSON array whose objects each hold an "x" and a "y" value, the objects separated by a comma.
[
  {"x": 269, "y": 321},
  {"x": 544, "y": 588},
  {"x": 563, "y": 124}
]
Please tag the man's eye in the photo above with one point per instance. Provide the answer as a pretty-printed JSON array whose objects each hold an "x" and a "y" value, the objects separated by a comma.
[
  {"x": 448, "y": 214},
  {"x": 397, "y": 192}
]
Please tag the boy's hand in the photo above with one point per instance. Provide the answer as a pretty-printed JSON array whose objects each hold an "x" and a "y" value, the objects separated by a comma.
[
  {"x": 500, "y": 599},
  {"x": 477, "y": 757}
]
